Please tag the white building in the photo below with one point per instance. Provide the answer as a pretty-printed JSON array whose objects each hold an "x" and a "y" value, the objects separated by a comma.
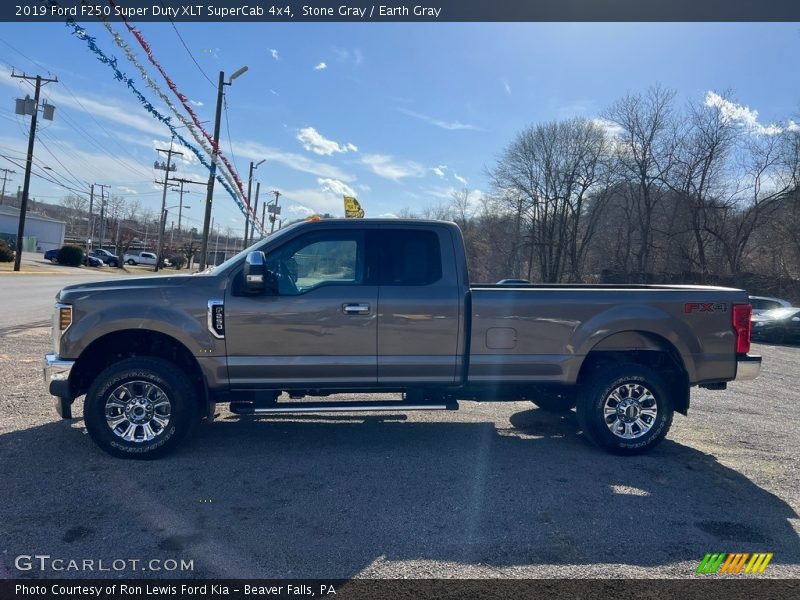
[{"x": 41, "y": 233}]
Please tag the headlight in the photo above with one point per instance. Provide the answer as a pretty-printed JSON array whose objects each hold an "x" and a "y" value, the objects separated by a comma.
[{"x": 62, "y": 319}]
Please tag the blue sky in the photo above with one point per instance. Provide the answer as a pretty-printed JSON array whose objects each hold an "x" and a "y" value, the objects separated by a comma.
[{"x": 401, "y": 114}]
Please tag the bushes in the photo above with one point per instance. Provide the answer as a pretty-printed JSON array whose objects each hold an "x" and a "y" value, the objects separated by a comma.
[
  {"x": 6, "y": 253},
  {"x": 177, "y": 261},
  {"x": 71, "y": 256}
]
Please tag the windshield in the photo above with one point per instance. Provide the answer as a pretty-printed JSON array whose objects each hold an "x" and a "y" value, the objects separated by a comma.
[{"x": 241, "y": 255}]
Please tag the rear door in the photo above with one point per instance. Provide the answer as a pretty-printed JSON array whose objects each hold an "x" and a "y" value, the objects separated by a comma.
[
  {"x": 319, "y": 330},
  {"x": 418, "y": 306}
]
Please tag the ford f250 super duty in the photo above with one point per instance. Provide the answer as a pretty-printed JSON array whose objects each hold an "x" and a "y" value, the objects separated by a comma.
[{"x": 353, "y": 305}]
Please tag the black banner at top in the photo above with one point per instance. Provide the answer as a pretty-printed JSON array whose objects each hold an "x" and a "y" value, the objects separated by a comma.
[{"x": 260, "y": 11}]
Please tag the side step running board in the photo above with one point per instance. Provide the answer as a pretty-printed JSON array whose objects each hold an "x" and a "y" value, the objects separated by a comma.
[{"x": 248, "y": 408}]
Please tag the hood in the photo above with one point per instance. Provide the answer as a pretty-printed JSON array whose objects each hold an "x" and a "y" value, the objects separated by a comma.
[{"x": 126, "y": 285}]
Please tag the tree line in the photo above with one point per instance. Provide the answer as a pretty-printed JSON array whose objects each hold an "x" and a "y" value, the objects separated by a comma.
[{"x": 654, "y": 190}]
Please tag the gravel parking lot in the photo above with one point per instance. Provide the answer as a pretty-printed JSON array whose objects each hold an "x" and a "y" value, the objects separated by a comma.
[{"x": 500, "y": 490}]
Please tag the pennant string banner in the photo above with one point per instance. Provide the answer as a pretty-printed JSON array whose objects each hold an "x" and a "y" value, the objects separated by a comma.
[
  {"x": 182, "y": 97},
  {"x": 111, "y": 62}
]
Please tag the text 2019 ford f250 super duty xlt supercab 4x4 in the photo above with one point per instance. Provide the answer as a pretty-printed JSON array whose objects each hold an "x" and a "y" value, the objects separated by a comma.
[{"x": 357, "y": 305}]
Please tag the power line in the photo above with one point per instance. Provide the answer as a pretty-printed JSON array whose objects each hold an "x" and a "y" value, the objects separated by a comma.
[{"x": 189, "y": 52}]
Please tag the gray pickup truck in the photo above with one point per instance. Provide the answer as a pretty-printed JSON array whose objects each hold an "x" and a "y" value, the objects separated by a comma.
[{"x": 355, "y": 305}]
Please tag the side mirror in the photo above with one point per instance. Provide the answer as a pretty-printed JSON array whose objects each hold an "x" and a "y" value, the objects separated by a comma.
[{"x": 255, "y": 273}]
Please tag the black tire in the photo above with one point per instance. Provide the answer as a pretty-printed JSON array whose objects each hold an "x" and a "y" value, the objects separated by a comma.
[
  {"x": 598, "y": 389},
  {"x": 171, "y": 384},
  {"x": 555, "y": 402},
  {"x": 130, "y": 261},
  {"x": 113, "y": 263},
  {"x": 54, "y": 261}
]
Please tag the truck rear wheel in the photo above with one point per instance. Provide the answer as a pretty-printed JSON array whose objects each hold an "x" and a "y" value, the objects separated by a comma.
[
  {"x": 625, "y": 409},
  {"x": 140, "y": 408}
]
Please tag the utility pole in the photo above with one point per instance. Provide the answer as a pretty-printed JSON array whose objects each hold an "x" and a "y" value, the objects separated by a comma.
[
  {"x": 212, "y": 172},
  {"x": 91, "y": 215},
  {"x": 6, "y": 173},
  {"x": 182, "y": 192},
  {"x": 168, "y": 167},
  {"x": 274, "y": 210},
  {"x": 255, "y": 214},
  {"x": 33, "y": 110},
  {"x": 102, "y": 213},
  {"x": 253, "y": 167}
]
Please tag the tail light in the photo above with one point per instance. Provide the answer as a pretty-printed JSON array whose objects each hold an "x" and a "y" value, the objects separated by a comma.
[{"x": 741, "y": 325}]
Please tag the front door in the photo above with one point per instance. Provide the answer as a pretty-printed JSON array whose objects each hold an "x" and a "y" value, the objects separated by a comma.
[{"x": 319, "y": 329}]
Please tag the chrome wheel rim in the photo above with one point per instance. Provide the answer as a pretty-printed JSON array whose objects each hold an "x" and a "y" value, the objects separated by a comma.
[
  {"x": 138, "y": 411},
  {"x": 630, "y": 411}
]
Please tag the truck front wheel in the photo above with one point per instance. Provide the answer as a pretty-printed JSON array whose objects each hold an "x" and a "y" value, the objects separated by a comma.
[
  {"x": 625, "y": 409},
  {"x": 140, "y": 408}
]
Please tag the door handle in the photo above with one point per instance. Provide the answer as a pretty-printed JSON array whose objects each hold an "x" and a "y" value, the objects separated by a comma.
[{"x": 355, "y": 309}]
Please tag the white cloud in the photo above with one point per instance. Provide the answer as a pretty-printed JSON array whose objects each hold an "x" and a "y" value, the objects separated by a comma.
[
  {"x": 83, "y": 164},
  {"x": 742, "y": 115},
  {"x": 611, "y": 128},
  {"x": 274, "y": 93},
  {"x": 386, "y": 166},
  {"x": 126, "y": 190},
  {"x": 274, "y": 53},
  {"x": 449, "y": 125},
  {"x": 388, "y": 216},
  {"x": 186, "y": 156},
  {"x": 506, "y": 86},
  {"x": 321, "y": 66},
  {"x": 315, "y": 142},
  {"x": 439, "y": 170},
  {"x": 298, "y": 162},
  {"x": 300, "y": 210},
  {"x": 460, "y": 179},
  {"x": 335, "y": 186},
  {"x": 354, "y": 55},
  {"x": 196, "y": 103},
  {"x": 364, "y": 187}
]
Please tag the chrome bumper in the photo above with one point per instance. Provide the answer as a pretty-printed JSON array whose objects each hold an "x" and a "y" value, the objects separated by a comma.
[
  {"x": 56, "y": 374},
  {"x": 747, "y": 367}
]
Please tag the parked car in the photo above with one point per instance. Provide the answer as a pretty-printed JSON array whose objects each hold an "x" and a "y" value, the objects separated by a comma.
[
  {"x": 378, "y": 305},
  {"x": 92, "y": 261},
  {"x": 52, "y": 256},
  {"x": 513, "y": 282},
  {"x": 762, "y": 304},
  {"x": 111, "y": 259},
  {"x": 777, "y": 325},
  {"x": 142, "y": 258}
]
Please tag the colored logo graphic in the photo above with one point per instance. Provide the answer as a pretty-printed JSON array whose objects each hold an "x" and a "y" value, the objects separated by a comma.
[{"x": 734, "y": 563}]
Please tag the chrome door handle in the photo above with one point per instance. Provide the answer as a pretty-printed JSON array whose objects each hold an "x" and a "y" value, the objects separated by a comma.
[{"x": 355, "y": 309}]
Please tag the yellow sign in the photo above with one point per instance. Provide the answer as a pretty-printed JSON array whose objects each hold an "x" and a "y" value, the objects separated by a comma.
[{"x": 352, "y": 209}]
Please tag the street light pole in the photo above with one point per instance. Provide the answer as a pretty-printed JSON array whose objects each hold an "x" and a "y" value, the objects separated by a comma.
[{"x": 212, "y": 172}]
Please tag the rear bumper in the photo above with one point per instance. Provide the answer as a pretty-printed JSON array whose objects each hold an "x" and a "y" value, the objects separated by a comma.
[
  {"x": 56, "y": 375},
  {"x": 747, "y": 367}
]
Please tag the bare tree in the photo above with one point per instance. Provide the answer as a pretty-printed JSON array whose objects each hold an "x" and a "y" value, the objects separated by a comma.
[
  {"x": 548, "y": 176},
  {"x": 75, "y": 208},
  {"x": 645, "y": 150}
]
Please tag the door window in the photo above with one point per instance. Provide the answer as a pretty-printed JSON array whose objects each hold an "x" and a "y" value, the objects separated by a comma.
[
  {"x": 410, "y": 257},
  {"x": 331, "y": 258}
]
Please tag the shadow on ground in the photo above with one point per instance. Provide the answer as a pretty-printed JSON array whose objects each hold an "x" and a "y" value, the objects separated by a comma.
[{"x": 327, "y": 497}]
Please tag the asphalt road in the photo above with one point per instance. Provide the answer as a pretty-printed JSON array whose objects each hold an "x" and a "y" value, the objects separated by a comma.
[{"x": 500, "y": 490}]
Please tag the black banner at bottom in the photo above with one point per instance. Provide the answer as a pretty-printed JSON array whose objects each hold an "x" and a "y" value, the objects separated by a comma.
[{"x": 363, "y": 589}]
